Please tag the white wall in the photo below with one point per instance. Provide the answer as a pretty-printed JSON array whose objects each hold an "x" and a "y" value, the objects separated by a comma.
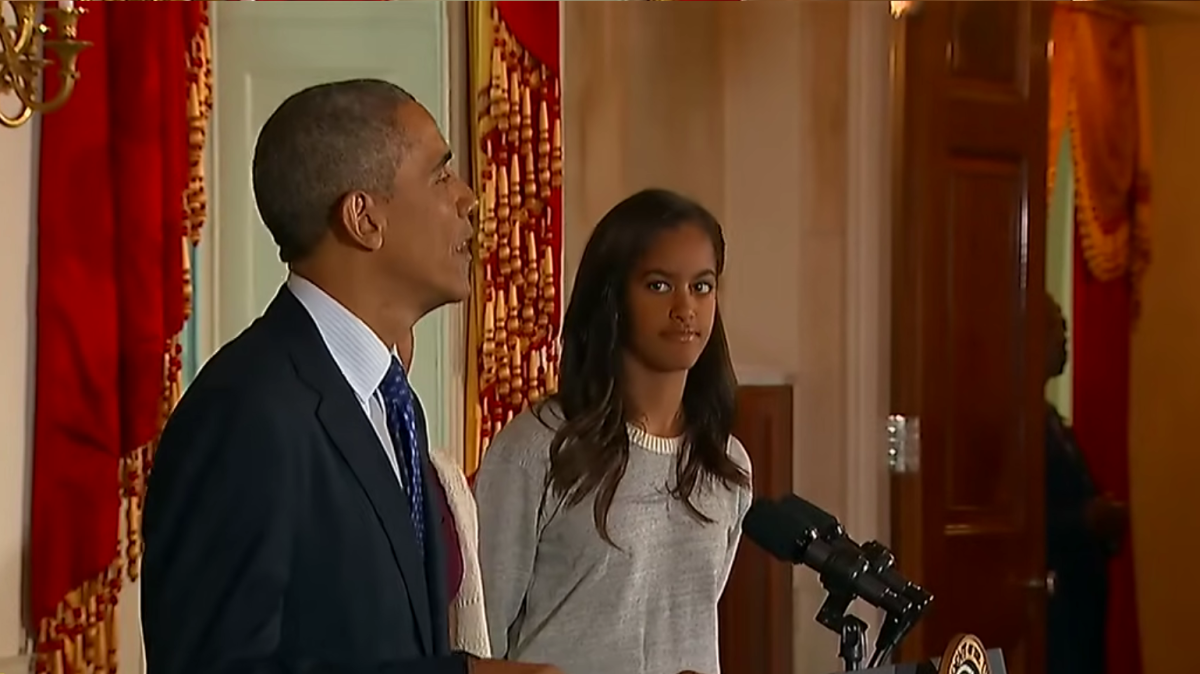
[
  {"x": 18, "y": 152},
  {"x": 1060, "y": 260}
]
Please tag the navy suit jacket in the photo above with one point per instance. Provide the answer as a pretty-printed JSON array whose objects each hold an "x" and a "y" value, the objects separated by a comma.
[{"x": 277, "y": 538}]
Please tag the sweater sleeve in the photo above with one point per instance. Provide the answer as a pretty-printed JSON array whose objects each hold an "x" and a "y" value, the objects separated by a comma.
[
  {"x": 508, "y": 490},
  {"x": 744, "y": 497}
]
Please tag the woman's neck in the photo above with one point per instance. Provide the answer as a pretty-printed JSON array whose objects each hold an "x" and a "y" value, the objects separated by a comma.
[{"x": 654, "y": 399}]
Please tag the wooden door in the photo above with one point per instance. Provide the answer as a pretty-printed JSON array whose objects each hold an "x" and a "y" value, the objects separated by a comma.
[
  {"x": 755, "y": 612},
  {"x": 968, "y": 308}
]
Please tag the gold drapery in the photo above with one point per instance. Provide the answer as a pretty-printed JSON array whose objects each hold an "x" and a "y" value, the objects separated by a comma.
[
  {"x": 1099, "y": 95},
  {"x": 83, "y": 636},
  {"x": 517, "y": 165},
  {"x": 135, "y": 468}
]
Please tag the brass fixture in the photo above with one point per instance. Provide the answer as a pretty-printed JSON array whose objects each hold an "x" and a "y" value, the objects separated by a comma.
[
  {"x": 902, "y": 8},
  {"x": 26, "y": 41}
]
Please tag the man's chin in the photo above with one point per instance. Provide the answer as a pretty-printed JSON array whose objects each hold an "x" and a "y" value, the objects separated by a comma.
[
  {"x": 462, "y": 285},
  {"x": 459, "y": 292}
]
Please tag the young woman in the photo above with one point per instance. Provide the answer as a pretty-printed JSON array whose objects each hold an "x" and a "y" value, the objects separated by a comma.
[{"x": 610, "y": 515}]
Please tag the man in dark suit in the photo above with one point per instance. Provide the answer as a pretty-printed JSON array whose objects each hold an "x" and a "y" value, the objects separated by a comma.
[
  {"x": 290, "y": 523},
  {"x": 1083, "y": 530}
]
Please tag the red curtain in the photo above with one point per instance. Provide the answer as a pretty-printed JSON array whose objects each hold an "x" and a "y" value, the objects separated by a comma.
[
  {"x": 115, "y": 211},
  {"x": 1099, "y": 96},
  {"x": 1101, "y": 326},
  {"x": 535, "y": 26}
]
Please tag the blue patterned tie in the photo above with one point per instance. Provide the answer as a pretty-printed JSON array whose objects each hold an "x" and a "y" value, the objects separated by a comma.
[{"x": 402, "y": 424}]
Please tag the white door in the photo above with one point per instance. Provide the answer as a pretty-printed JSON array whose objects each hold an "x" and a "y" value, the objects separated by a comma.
[{"x": 264, "y": 52}]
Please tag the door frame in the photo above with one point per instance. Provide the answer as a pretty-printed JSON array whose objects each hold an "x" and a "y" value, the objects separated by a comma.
[{"x": 212, "y": 271}]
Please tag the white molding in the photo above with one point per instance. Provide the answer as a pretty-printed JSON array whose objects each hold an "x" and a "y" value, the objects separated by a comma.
[
  {"x": 562, "y": 235},
  {"x": 456, "y": 94},
  {"x": 868, "y": 253},
  {"x": 205, "y": 275},
  {"x": 26, "y": 637}
]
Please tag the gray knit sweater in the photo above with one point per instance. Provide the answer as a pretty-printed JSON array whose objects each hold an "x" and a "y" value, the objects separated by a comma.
[{"x": 557, "y": 593}]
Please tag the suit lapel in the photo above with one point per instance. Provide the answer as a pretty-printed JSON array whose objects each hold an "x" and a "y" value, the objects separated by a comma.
[{"x": 342, "y": 417}]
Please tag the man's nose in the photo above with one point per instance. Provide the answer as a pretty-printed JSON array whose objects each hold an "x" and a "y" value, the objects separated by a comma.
[
  {"x": 468, "y": 206},
  {"x": 468, "y": 201}
]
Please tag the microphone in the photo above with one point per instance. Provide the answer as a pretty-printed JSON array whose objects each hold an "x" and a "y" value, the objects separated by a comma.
[
  {"x": 843, "y": 569},
  {"x": 881, "y": 560},
  {"x": 881, "y": 563},
  {"x": 827, "y": 525}
]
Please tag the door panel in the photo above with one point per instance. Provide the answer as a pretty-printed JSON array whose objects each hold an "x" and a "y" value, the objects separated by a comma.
[
  {"x": 968, "y": 311},
  {"x": 755, "y": 612},
  {"x": 265, "y": 52}
]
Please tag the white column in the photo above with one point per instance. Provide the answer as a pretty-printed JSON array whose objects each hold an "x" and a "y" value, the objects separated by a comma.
[{"x": 868, "y": 263}]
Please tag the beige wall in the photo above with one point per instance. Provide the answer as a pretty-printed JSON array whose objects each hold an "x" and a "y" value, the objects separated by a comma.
[
  {"x": 17, "y": 181},
  {"x": 747, "y": 110},
  {"x": 746, "y": 107},
  {"x": 1164, "y": 460}
]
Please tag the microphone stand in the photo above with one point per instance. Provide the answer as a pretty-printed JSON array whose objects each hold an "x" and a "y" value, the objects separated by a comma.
[
  {"x": 844, "y": 568},
  {"x": 890, "y": 633},
  {"x": 895, "y": 626},
  {"x": 852, "y": 631},
  {"x": 843, "y": 563},
  {"x": 852, "y": 648}
]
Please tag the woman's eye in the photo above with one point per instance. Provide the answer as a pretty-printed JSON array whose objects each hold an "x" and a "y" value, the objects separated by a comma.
[
  {"x": 703, "y": 287},
  {"x": 659, "y": 286}
]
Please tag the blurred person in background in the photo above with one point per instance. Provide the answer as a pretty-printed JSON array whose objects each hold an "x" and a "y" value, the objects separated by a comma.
[{"x": 1083, "y": 531}]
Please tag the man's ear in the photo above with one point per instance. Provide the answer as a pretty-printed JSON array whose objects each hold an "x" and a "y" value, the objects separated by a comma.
[{"x": 360, "y": 220}]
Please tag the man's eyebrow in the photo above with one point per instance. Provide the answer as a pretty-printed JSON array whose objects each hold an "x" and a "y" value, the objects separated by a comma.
[{"x": 446, "y": 158}]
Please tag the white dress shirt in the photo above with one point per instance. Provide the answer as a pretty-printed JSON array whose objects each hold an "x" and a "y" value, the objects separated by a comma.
[{"x": 362, "y": 357}]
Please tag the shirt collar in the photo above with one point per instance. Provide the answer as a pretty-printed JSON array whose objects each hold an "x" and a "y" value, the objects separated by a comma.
[{"x": 362, "y": 357}]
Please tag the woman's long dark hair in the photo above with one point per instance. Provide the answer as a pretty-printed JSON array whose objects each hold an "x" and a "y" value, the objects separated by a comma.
[{"x": 590, "y": 450}]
